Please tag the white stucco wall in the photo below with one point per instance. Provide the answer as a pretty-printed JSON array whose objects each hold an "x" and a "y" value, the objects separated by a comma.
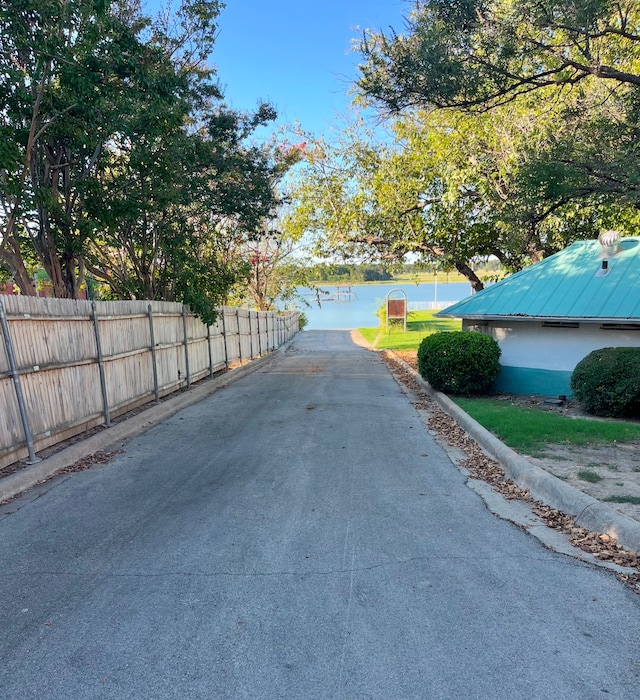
[{"x": 529, "y": 344}]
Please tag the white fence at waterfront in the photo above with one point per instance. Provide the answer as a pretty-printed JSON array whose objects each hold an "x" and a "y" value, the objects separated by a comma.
[{"x": 429, "y": 305}]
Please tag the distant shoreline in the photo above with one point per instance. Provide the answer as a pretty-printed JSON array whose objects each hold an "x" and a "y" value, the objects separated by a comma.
[{"x": 427, "y": 278}]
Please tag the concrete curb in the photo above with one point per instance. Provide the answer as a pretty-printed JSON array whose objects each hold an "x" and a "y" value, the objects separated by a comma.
[
  {"x": 25, "y": 479},
  {"x": 543, "y": 486}
]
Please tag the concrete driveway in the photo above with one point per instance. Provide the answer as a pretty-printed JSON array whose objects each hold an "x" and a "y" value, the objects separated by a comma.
[{"x": 298, "y": 534}]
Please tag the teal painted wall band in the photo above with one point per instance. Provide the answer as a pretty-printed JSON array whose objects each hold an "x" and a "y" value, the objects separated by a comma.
[{"x": 525, "y": 380}]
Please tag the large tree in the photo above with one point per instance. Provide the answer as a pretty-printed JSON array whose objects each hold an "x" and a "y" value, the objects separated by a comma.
[
  {"x": 581, "y": 57},
  {"x": 119, "y": 153},
  {"x": 516, "y": 132},
  {"x": 120, "y": 156},
  {"x": 448, "y": 188},
  {"x": 172, "y": 203},
  {"x": 67, "y": 78},
  {"x": 480, "y": 53}
]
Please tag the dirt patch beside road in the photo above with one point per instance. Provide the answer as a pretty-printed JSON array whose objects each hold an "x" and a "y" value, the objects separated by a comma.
[{"x": 602, "y": 471}]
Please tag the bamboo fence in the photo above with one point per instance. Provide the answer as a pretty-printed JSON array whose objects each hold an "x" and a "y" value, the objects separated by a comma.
[{"x": 67, "y": 366}]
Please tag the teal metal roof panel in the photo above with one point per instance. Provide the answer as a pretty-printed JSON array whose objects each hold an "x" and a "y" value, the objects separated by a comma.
[{"x": 569, "y": 284}]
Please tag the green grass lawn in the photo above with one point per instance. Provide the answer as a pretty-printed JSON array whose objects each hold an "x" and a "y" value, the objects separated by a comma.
[
  {"x": 528, "y": 429},
  {"x": 524, "y": 429},
  {"x": 419, "y": 325}
]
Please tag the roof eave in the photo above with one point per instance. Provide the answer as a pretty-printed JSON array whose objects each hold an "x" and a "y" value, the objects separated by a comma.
[{"x": 523, "y": 317}]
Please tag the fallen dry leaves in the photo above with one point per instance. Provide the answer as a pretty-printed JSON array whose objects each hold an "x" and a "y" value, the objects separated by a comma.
[
  {"x": 81, "y": 465},
  {"x": 480, "y": 466},
  {"x": 87, "y": 462}
]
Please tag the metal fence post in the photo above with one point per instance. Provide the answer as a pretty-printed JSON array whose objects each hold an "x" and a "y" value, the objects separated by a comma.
[
  {"x": 15, "y": 376},
  {"x": 103, "y": 383},
  {"x": 259, "y": 338},
  {"x": 154, "y": 363},
  {"x": 186, "y": 346},
  {"x": 224, "y": 337},
  {"x": 209, "y": 348},
  {"x": 250, "y": 336},
  {"x": 239, "y": 335}
]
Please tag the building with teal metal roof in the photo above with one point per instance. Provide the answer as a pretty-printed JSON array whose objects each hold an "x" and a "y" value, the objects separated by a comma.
[{"x": 550, "y": 315}]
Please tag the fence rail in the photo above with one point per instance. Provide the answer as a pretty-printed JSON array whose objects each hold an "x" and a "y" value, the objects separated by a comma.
[
  {"x": 429, "y": 305},
  {"x": 67, "y": 366}
]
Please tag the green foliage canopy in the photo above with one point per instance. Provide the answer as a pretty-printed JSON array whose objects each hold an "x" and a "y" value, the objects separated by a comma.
[
  {"x": 449, "y": 188},
  {"x": 482, "y": 53},
  {"x": 580, "y": 58},
  {"x": 118, "y": 155},
  {"x": 514, "y": 132}
]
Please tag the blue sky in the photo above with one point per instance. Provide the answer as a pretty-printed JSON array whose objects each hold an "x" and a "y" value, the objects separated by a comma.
[{"x": 295, "y": 53}]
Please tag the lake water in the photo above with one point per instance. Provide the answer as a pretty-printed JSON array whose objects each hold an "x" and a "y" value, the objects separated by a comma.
[{"x": 358, "y": 309}]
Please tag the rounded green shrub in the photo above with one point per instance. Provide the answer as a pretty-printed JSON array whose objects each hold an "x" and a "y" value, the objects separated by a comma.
[
  {"x": 459, "y": 362},
  {"x": 607, "y": 382}
]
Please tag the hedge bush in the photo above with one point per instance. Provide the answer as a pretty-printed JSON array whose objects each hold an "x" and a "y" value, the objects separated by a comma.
[
  {"x": 459, "y": 362},
  {"x": 607, "y": 382}
]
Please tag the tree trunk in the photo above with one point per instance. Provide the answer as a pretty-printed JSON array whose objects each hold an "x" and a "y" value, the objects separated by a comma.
[
  {"x": 14, "y": 261},
  {"x": 48, "y": 255},
  {"x": 476, "y": 283},
  {"x": 71, "y": 277}
]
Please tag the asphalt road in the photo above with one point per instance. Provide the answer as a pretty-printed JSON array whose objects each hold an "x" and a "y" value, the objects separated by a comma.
[{"x": 298, "y": 534}]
